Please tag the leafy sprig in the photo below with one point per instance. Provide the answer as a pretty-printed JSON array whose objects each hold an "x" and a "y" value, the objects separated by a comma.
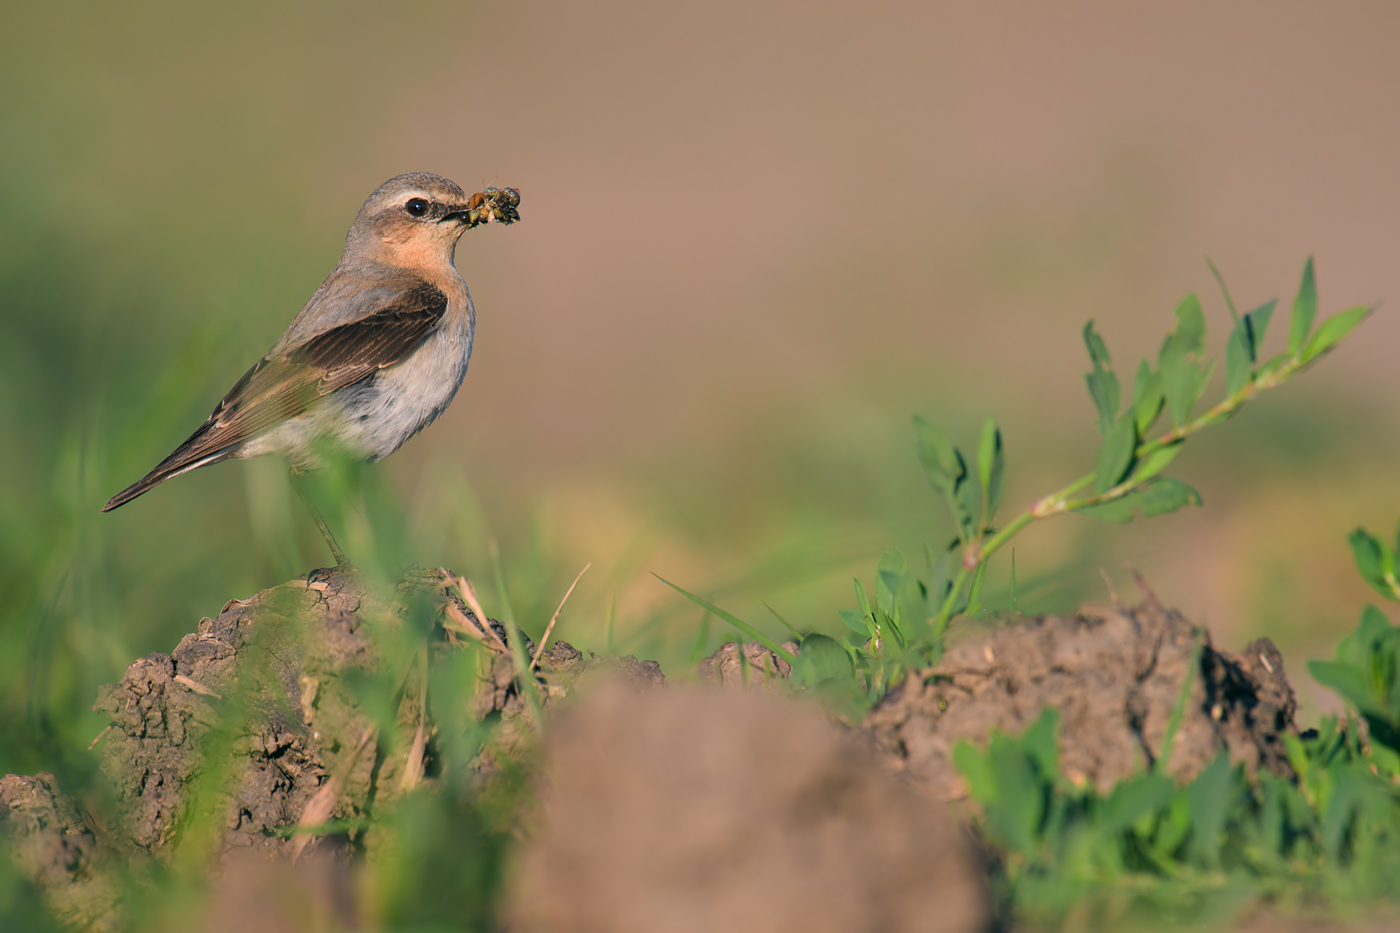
[{"x": 1127, "y": 479}]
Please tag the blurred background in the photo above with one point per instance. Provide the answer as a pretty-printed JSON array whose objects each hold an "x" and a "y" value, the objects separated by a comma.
[{"x": 755, "y": 239}]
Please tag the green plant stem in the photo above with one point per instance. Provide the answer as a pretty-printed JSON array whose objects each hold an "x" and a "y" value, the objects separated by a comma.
[
  {"x": 529, "y": 688},
  {"x": 1057, "y": 503},
  {"x": 1164, "y": 754},
  {"x": 992, "y": 545}
]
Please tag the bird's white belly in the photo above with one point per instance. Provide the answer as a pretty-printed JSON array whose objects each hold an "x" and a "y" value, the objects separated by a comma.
[
  {"x": 378, "y": 415},
  {"x": 373, "y": 418}
]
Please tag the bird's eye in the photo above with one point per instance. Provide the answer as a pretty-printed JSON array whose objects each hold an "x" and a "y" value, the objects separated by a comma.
[{"x": 417, "y": 207}]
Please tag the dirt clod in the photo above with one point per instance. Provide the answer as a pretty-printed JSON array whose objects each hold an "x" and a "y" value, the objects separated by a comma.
[
  {"x": 53, "y": 848},
  {"x": 1114, "y": 674},
  {"x": 271, "y": 669},
  {"x": 268, "y": 685},
  {"x": 704, "y": 810},
  {"x": 756, "y": 666}
]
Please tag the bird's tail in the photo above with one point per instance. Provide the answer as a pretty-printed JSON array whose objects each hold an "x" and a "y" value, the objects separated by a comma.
[{"x": 182, "y": 460}]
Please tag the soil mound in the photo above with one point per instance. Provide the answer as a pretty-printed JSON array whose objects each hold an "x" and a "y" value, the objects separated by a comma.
[
  {"x": 1115, "y": 675},
  {"x": 53, "y": 848},
  {"x": 707, "y": 810},
  {"x": 751, "y": 664},
  {"x": 270, "y": 685}
]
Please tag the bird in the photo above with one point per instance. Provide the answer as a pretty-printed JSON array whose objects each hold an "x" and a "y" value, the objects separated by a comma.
[{"x": 376, "y": 354}]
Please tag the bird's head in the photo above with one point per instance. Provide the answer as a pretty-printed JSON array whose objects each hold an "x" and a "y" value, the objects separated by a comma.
[{"x": 411, "y": 220}]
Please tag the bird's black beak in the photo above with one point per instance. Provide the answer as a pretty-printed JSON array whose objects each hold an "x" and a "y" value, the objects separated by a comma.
[{"x": 462, "y": 216}]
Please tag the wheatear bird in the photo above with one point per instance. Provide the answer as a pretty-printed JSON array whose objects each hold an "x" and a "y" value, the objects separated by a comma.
[{"x": 377, "y": 353}]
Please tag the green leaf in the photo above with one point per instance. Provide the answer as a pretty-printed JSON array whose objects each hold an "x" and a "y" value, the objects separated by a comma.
[
  {"x": 889, "y": 577},
  {"x": 1134, "y": 797},
  {"x": 991, "y": 467},
  {"x": 1372, "y": 634},
  {"x": 857, "y": 621},
  {"x": 1102, "y": 382},
  {"x": 1147, "y": 397},
  {"x": 1337, "y": 815},
  {"x": 1304, "y": 310},
  {"x": 976, "y": 768},
  {"x": 1376, "y": 562},
  {"x": 1158, "y": 497},
  {"x": 1042, "y": 741},
  {"x": 820, "y": 662},
  {"x": 1020, "y": 799},
  {"x": 1367, "y": 550},
  {"x": 939, "y": 579},
  {"x": 1257, "y": 321},
  {"x": 732, "y": 619},
  {"x": 1182, "y": 384},
  {"x": 1347, "y": 679},
  {"x": 1156, "y": 461},
  {"x": 912, "y": 607},
  {"x": 1334, "y": 330},
  {"x": 1183, "y": 378},
  {"x": 947, "y": 472},
  {"x": 862, "y": 598},
  {"x": 1189, "y": 338},
  {"x": 1116, "y": 454},
  {"x": 941, "y": 462},
  {"x": 1367, "y": 671},
  {"x": 967, "y": 502},
  {"x": 1239, "y": 360},
  {"x": 1174, "y": 825},
  {"x": 974, "y": 594},
  {"x": 1209, "y": 797},
  {"x": 1387, "y": 760},
  {"x": 1242, "y": 351}
]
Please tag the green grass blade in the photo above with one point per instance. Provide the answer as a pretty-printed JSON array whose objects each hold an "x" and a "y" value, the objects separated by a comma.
[
  {"x": 787, "y": 625},
  {"x": 732, "y": 619},
  {"x": 528, "y": 687},
  {"x": 702, "y": 638},
  {"x": 612, "y": 623},
  {"x": 1013, "y": 580}
]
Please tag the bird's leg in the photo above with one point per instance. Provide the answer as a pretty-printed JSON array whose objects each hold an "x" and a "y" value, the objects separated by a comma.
[{"x": 341, "y": 561}]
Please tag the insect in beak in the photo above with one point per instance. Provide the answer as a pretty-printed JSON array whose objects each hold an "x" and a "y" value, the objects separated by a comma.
[{"x": 492, "y": 205}]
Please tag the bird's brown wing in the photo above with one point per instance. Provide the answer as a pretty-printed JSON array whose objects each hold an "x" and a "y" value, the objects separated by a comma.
[{"x": 279, "y": 388}]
